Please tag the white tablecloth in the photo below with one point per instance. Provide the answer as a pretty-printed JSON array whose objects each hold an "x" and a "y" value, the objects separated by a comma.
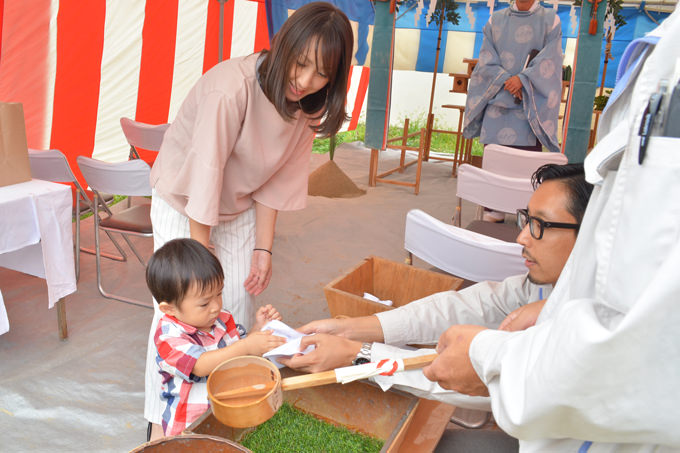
[{"x": 36, "y": 236}]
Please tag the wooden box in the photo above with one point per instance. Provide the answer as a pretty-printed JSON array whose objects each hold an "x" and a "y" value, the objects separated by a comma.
[
  {"x": 358, "y": 406},
  {"x": 387, "y": 280},
  {"x": 460, "y": 83}
]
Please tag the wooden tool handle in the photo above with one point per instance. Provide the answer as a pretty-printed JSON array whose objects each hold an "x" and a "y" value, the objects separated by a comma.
[
  {"x": 309, "y": 380},
  {"x": 329, "y": 377},
  {"x": 411, "y": 363}
]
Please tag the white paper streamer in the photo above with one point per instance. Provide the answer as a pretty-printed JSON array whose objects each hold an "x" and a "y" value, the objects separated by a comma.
[
  {"x": 419, "y": 9},
  {"x": 470, "y": 14},
  {"x": 573, "y": 20},
  {"x": 609, "y": 24},
  {"x": 430, "y": 9},
  {"x": 354, "y": 373},
  {"x": 491, "y": 4}
]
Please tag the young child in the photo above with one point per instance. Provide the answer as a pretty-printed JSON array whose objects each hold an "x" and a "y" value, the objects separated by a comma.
[{"x": 195, "y": 334}]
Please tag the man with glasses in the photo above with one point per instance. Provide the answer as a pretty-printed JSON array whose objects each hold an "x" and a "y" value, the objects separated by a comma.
[{"x": 549, "y": 228}]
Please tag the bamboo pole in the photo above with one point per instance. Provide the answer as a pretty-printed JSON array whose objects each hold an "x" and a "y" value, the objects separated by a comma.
[{"x": 430, "y": 117}]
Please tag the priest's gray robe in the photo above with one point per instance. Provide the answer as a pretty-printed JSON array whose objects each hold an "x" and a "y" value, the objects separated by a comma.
[{"x": 491, "y": 111}]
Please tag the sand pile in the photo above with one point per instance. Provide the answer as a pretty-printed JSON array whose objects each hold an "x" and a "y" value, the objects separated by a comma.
[{"x": 330, "y": 181}]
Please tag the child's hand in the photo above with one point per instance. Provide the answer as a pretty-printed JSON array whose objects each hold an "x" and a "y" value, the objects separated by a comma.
[
  {"x": 264, "y": 315},
  {"x": 260, "y": 342}
]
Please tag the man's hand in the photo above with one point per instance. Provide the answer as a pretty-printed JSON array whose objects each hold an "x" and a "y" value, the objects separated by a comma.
[
  {"x": 330, "y": 352},
  {"x": 514, "y": 86},
  {"x": 363, "y": 328},
  {"x": 331, "y": 326},
  {"x": 452, "y": 369},
  {"x": 522, "y": 318}
]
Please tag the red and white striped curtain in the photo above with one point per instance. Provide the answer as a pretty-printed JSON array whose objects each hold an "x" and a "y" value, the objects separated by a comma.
[{"x": 79, "y": 66}]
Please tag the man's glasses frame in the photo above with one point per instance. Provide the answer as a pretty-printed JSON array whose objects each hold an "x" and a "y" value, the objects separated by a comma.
[{"x": 523, "y": 218}]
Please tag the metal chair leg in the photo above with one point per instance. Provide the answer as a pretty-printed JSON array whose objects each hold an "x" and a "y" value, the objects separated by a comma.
[
  {"x": 98, "y": 255},
  {"x": 465, "y": 423},
  {"x": 76, "y": 247}
]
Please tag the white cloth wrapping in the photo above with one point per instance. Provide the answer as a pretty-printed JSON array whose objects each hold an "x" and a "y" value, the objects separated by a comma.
[
  {"x": 36, "y": 234},
  {"x": 603, "y": 362}
]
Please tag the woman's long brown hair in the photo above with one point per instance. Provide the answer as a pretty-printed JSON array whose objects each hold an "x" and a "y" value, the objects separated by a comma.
[{"x": 328, "y": 26}]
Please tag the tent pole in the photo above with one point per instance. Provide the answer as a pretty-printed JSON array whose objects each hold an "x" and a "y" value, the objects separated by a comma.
[
  {"x": 221, "y": 32},
  {"x": 579, "y": 111}
]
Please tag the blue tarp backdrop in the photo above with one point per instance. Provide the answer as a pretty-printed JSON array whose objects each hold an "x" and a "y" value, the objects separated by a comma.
[{"x": 362, "y": 12}]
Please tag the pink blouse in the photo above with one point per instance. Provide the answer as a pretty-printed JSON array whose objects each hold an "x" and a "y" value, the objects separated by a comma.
[{"x": 229, "y": 146}]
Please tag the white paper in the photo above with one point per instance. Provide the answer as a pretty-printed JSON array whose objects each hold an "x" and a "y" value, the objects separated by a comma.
[
  {"x": 291, "y": 347},
  {"x": 372, "y": 298},
  {"x": 353, "y": 373}
]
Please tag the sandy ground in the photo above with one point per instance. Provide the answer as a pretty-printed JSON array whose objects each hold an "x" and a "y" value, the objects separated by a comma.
[{"x": 87, "y": 392}]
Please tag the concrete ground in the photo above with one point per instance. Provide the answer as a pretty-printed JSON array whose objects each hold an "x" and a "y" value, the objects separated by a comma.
[{"x": 87, "y": 393}]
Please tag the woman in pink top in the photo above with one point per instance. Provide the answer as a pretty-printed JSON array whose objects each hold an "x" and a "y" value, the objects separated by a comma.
[{"x": 238, "y": 152}]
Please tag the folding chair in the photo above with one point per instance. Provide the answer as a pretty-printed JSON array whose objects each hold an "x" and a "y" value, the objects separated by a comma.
[
  {"x": 142, "y": 135},
  {"x": 463, "y": 253},
  {"x": 517, "y": 163},
  {"x": 494, "y": 191},
  {"x": 52, "y": 165},
  {"x": 129, "y": 178}
]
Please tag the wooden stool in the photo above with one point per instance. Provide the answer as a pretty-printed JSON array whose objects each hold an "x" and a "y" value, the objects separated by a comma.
[
  {"x": 374, "y": 177},
  {"x": 463, "y": 151}
]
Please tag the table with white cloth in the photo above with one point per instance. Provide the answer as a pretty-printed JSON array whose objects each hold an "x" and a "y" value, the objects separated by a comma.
[{"x": 36, "y": 237}]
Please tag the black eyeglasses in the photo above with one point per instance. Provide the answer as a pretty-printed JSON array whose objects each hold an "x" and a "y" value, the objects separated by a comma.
[{"x": 537, "y": 226}]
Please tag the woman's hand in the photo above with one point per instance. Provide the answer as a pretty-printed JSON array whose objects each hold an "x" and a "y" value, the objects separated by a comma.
[
  {"x": 260, "y": 272},
  {"x": 261, "y": 261}
]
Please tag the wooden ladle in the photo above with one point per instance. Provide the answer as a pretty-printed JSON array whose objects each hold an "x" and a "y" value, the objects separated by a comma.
[
  {"x": 243, "y": 405},
  {"x": 310, "y": 380}
]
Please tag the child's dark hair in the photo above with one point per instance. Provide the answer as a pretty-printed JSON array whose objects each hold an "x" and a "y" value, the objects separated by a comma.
[{"x": 180, "y": 265}]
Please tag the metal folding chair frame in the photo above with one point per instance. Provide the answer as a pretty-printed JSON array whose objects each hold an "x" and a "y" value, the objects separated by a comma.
[
  {"x": 138, "y": 186},
  {"x": 65, "y": 174}
]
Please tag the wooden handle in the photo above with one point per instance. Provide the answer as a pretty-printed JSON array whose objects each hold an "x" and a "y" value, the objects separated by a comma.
[
  {"x": 309, "y": 380},
  {"x": 411, "y": 363},
  {"x": 249, "y": 390},
  {"x": 329, "y": 377}
]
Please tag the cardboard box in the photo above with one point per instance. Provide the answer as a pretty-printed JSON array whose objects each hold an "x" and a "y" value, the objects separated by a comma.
[
  {"x": 387, "y": 280},
  {"x": 14, "y": 165}
]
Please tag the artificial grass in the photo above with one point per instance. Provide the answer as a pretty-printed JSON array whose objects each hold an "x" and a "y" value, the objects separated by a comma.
[
  {"x": 291, "y": 429},
  {"x": 441, "y": 142}
]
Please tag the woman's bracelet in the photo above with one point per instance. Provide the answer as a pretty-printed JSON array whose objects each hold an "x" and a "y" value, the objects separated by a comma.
[{"x": 263, "y": 250}]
